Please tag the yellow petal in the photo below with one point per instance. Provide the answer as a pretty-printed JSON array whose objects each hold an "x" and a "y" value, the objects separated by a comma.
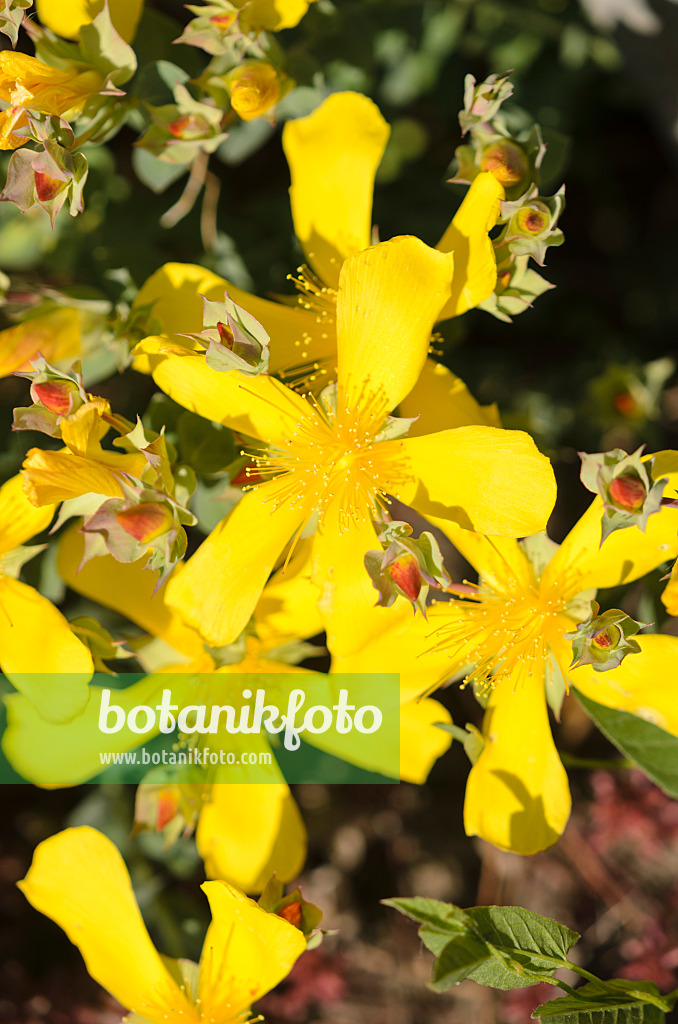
[
  {"x": 258, "y": 406},
  {"x": 644, "y": 684},
  {"x": 66, "y": 17},
  {"x": 288, "y": 608},
  {"x": 19, "y": 519},
  {"x": 500, "y": 561},
  {"x": 129, "y": 589},
  {"x": 475, "y": 265},
  {"x": 333, "y": 156},
  {"x": 173, "y": 294},
  {"x": 441, "y": 401},
  {"x": 347, "y": 598},
  {"x": 248, "y": 832},
  {"x": 56, "y": 335},
  {"x": 273, "y": 15},
  {"x": 67, "y": 754},
  {"x": 581, "y": 562},
  {"x": 517, "y": 795},
  {"x": 50, "y": 477},
  {"x": 670, "y": 595},
  {"x": 220, "y": 585},
  {"x": 247, "y": 951},
  {"x": 40, "y": 654},
  {"x": 389, "y": 297},
  {"x": 485, "y": 479},
  {"x": 421, "y": 741},
  {"x": 79, "y": 880},
  {"x": 403, "y": 643}
]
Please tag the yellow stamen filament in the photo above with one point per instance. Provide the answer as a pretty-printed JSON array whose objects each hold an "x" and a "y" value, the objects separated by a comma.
[{"x": 335, "y": 455}]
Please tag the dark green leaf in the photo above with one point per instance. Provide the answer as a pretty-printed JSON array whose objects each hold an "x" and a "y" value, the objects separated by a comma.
[
  {"x": 652, "y": 749},
  {"x": 594, "y": 1005},
  {"x": 458, "y": 960}
]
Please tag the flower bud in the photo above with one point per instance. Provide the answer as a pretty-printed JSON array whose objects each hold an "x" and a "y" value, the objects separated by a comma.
[
  {"x": 255, "y": 88},
  {"x": 146, "y": 521},
  {"x": 223, "y": 21},
  {"x": 291, "y": 913},
  {"x": 628, "y": 492},
  {"x": 168, "y": 806},
  {"x": 533, "y": 219},
  {"x": 603, "y": 641},
  {"x": 406, "y": 575},
  {"x": 189, "y": 127},
  {"x": 506, "y": 160},
  {"x": 56, "y": 395},
  {"x": 47, "y": 187},
  {"x": 225, "y": 335}
]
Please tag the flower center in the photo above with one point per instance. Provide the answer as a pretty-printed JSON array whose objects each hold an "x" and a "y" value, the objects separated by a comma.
[
  {"x": 336, "y": 454},
  {"x": 500, "y": 633}
]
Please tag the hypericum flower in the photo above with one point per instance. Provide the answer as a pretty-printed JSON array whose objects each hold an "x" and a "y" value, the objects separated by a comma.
[
  {"x": 28, "y": 84},
  {"x": 510, "y": 628},
  {"x": 79, "y": 880},
  {"x": 331, "y": 463},
  {"x": 38, "y": 650},
  {"x": 275, "y": 837},
  {"x": 56, "y": 335},
  {"x": 66, "y": 17},
  {"x": 333, "y": 156}
]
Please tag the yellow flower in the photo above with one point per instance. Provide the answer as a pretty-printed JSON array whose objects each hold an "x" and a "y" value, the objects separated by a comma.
[
  {"x": 66, "y": 17},
  {"x": 333, "y": 156},
  {"x": 275, "y": 839},
  {"x": 79, "y": 880},
  {"x": 38, "y": 651},
  {"x": 330, "y": 465},
  {"x": 511, "y": 629},
  {"x": 56, "y": 335},
  {"x": 254, "y": 87},
  {"x": 28, "y": 84}
]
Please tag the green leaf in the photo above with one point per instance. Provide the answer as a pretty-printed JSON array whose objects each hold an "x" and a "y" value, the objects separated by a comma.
[
  {"x": 458, "y": 961},
  {"x": 207, "y": 447},
  {"x": 503, "y": 947},
  {"x": 595, "y": 1005},
  {"x": 651, "y": 748}
]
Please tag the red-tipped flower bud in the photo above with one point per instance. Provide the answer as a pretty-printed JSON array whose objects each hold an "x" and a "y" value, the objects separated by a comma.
[
  {"x": 291, "y": 913},
  {"x": 55, "y": 395},
  {"x": 146, "y": 521},
  {"x": 225, "y": 335},
  {"x": 47, "y": 187},
  {"x": 506, "y": 161},
  {"x": 627, "y": 492},
  {"x": 406, "y": 575},
  {"x": 223, "y": 21},
  {"x": 534, "y": 219},
  {"x": 168, "y": 805}
]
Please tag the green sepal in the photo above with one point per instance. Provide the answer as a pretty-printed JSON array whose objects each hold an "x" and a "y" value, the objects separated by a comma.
[
  {"x": 405, "y": 567},
  {"x": 103, "y": 49},
  {"x": 274, "y": 900},
  {"x": 11, "y": 17},
  {"x": 471, "y": 738},
  {"x": 99, "y": 642}
]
